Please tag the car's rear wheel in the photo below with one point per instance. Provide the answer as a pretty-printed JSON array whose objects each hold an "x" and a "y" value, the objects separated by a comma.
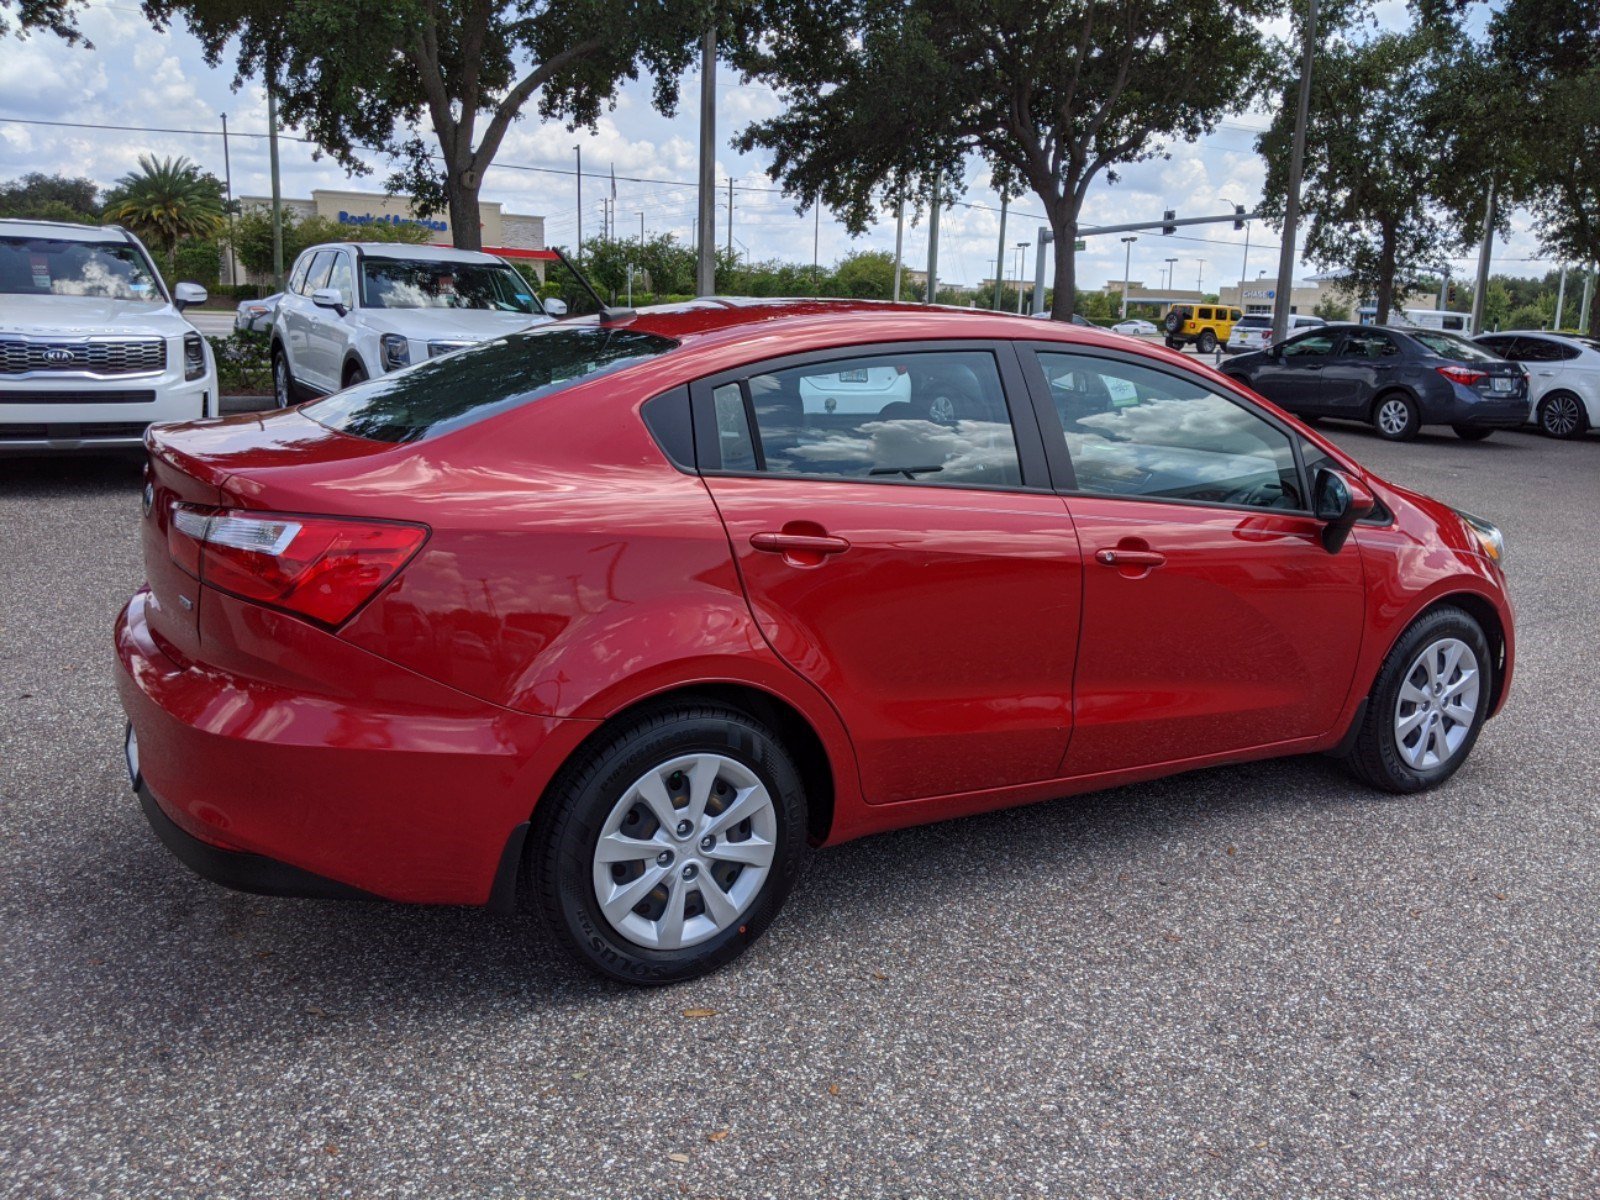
[
  {"x": 1561, "y": 415},
  {"x": 668, "y": 847},
  {"x": 1174, "y": 343},
  {"x": 1471, "y": 433},
  {"x": 1427, "y": 706},
  {"x": 1207, "y": 342},
  {"x": 1395, "y": 417},
  {"x": 283, "y": 389}
]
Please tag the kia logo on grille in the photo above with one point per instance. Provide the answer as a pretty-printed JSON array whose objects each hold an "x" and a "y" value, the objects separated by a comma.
[{"x": 57, "y": 355}]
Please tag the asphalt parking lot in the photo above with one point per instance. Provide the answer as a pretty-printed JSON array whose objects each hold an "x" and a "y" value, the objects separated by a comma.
[{"x": 1254, "y": 981}]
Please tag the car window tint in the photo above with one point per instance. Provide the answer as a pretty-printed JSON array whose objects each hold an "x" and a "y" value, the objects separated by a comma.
[
  {"x": 933, "y": 417},
  {"x": 454, "y": 390},
  {"x": 1369, "y": 343},
  {"x": 733, "y": 428},
  {"x": 1503, "y": 346},
  {"x": 1133, "y": 431},
  {"x": 342, "y": 279},
  {"x": 1311, "y": 344},
  {"x": 1539, "y": 350},
  {"x": 1448, "y": 345}
]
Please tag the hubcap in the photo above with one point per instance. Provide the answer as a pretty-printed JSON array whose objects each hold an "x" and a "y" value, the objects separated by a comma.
[
  {"x": 1438, "y": 700},
  {"x": 685, "y": 851},
  {"x": 1393, "y": 416},
  {"x": 1561, "y": 415}
]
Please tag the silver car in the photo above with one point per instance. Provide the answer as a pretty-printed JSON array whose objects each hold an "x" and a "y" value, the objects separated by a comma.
[
  {"x": 255, "y": 316},
  {"x": 1254, "y": 331}
]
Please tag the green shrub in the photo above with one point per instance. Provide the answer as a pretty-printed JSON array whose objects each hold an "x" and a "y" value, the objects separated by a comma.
[
  {"x": 244, "y": 367},
  {"x": 199, "y": 262}
]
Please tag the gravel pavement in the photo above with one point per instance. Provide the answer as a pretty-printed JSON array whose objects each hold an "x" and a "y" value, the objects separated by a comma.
[{"x": 1253, "y": 981}]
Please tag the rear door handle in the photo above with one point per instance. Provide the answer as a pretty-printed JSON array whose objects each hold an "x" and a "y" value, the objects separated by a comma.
[
  {"x": 806, "y": 543},
  {"x": 1129, "y": 558}
]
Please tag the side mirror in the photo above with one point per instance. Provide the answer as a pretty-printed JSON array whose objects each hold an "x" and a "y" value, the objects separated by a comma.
[
  {"x": 1338, "y": 501},
  {"x": 555, "y": 306},
  {"x": 186, "y": 294},
  {"x": 329, "y": 298}
]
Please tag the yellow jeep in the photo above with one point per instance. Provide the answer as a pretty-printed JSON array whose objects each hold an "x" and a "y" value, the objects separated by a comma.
[{"x": 1206, "y": 325}]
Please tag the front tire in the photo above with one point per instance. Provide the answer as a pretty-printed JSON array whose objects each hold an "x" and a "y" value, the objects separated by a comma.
[
  {"x": 1561, "y": 415},
  {"x": 1427, "y": 705},
  {"x": 1395, "y": 417},
  {"x": 666, "y": 849}
]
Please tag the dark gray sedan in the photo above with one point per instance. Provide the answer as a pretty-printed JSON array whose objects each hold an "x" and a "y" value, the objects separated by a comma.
[{"x": 1397, "y": 380}]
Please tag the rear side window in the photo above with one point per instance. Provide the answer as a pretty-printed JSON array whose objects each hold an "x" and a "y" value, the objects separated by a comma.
[
  {"x": 455, "y": 390},
  {"x": 933, "y": 417},
  {"x": 1448, "y": 345}
]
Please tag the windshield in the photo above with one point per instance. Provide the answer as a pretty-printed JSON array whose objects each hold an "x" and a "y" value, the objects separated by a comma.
[
  {"x": 41, "y": 266},
  {"x": 454, "y": 390},
  {"x": 388, "y": 283},
  {"x": 1448, "y": 345},
  {"x": 1255, "y": 322}
]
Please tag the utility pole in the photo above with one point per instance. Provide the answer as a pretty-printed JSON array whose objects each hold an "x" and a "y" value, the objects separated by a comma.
[
  {"x": 1588, "y": 298},
  {"x": 227, "y": 174},
  {"x": 730, "y": 216},
  {"x": 578, "y": 150},
  {"x": 1127, "y": 261},
  {"x": 706, "y": 269},
  {"x": 1291, "y": 207},
  {"x": 1172, "y": 273},
  {"x": 1561, "y": 297},
  {"x": 933, "y": 246},
  {"x": 1484, "y": 252},
  {"x": 1443, "y": 302},
  {"x": 1005, "y": 201},
  {"x": 277, "y": 190},
  {"x": 1199, "y": 278},
  {"x": 816, "y": 237},
  {"x": 1022, "y": 248},
  {"x": 899, "y": 239}
]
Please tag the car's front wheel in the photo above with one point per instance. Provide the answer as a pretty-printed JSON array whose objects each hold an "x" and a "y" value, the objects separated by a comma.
[
  {"x": 1427, "y": 706},
  {"x": 1561, "y": 415},
  {"x": 668, "y": 847}
]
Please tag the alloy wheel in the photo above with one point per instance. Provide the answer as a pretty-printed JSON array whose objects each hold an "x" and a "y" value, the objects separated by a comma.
[
  {"x": 280, "y": 381},
  {"x": 1437, "y": 703},
  {"x": 684, "y": 853},
  {"x": 1394, "y": 416},
  {"x": 1560, "y": 416}
]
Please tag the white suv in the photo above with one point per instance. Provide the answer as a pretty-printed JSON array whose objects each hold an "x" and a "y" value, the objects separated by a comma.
[
  {"x": 1253, "y": 331},
  {"x": 357, "y": 310},
  {"x": 92, "y": 348}
]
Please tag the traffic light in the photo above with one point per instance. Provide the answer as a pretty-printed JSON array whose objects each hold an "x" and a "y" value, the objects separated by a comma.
[
  {"x": 1168, "y": 217},
  {"x": 1238, "y": 216}
]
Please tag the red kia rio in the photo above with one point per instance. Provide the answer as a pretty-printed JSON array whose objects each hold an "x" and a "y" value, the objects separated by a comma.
[{"x": 614, "y": 617}]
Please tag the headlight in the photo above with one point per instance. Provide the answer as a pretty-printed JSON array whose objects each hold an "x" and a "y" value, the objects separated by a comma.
[
  {"x": 395, "y": 351},
  {"x": 1488, "y": 536},
  {"x": 194, "y": 356}
]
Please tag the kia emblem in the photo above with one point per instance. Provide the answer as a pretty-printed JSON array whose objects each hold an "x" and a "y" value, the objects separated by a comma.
[{"x": 58, "y": 355}]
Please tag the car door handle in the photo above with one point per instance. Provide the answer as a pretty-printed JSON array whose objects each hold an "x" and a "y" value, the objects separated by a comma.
[
  {"x": 805, "y": 543},
  {"x": 1129, "y": 558}
]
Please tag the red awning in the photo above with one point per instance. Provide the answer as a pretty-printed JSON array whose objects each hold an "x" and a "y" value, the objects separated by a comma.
[{"x": 519, "y": 252}]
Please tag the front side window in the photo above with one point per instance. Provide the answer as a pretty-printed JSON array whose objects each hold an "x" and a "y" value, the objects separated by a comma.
[
  {"x": 455, "y": 390},
  {"x": 321, "y": 267},
  {"x": 42, "y": 266},
  {"x": 342, "y": 280},
  {"x": 930, "y": 417},
  {"x": 1313, "y": 344},
  {"x": 1136, "y": 432},
  {"x": 396, "y": 283}
]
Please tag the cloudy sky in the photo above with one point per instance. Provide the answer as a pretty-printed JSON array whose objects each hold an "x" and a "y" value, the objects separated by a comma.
[{"x": 136, "y": 76}]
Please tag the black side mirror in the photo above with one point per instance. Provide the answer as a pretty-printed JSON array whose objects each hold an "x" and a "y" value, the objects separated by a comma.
[{"x": 1338, "y": 501}]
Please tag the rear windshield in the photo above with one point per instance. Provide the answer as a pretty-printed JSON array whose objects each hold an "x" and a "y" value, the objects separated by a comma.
[
  {"x": 447, "y": 393},
  {"x": 1448, "y": 345},
  {"x": 1255, "y": 322}
]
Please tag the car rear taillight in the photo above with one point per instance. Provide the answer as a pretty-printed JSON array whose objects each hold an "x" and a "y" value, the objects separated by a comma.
[
  {"x": 323, "y": 568},
  {"x": 1465, "y": 376}
]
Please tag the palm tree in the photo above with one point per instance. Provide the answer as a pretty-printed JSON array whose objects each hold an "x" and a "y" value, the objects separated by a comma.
[{"x": 166, "y": 201}]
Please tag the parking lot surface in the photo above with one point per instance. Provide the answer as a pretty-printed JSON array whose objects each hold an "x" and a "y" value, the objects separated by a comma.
[{"x": 1253, "y": 981}]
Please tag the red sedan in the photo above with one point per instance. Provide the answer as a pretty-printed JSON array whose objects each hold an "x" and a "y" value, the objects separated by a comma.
[{"x": 620, "y": 615}]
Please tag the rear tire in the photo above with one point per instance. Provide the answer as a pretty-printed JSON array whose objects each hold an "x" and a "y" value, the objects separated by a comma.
[
  {"x": 1174, "y": 343},
  {"x": 678, "y": 902},
  {"x": 283, "y": 385},
  {"x": 1471, "y": 433},
  {"x": 1395, "y": 417},
  {"x": 1561, "y": 415},
  {"x": 1417, "y": 729},
  {"x": 1207, "y": 342}
]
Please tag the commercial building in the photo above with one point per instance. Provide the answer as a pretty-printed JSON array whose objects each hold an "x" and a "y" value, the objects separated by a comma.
[{"x": 510, "y": 235}]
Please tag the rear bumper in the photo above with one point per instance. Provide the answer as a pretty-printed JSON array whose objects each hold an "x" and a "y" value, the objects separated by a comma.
[
  {"x": 1467, "y": 408},
  {"x": 377, "y": 783}
]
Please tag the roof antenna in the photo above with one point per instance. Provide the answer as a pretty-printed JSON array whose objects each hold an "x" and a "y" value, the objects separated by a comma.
[{"x": 608, "y": 315}]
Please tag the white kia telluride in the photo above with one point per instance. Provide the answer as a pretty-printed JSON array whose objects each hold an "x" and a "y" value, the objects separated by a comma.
[
  {"x": 92, "y": 347},
  {"x": 357, "y": 310}
]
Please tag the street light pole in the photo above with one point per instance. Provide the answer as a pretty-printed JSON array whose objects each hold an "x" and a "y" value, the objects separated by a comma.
[
  {"x": 227, "y": 174},
  {"x": 1005, "y": 201},
  {"x": 1291, "y": 206},
  {"x": 1127, "y": 260},
  {"x": 705, "y": 245},
  {"x": 1021, "y": 258},
  {"x": 1172, "y": 273},
  {"x": 899, "y": 239},
  {"x": 578, "y": 150}
]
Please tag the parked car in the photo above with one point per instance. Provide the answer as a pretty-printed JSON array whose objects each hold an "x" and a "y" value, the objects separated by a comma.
[
  {"x": 1253, "y": 331},
  {"x": 1207, "y": 326},
  {"x": 357, "y": 310},
  {"x": 1135, "y": 327},
  {"x": 1563, "y": 377},
  {"x": 614, "y": 616},
  {"x": 93, "y": 348},
  {"x": 1397, "y": 380},
  {"x": 255, "y": 316},
  {"x": 1075, "y": 319}
]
